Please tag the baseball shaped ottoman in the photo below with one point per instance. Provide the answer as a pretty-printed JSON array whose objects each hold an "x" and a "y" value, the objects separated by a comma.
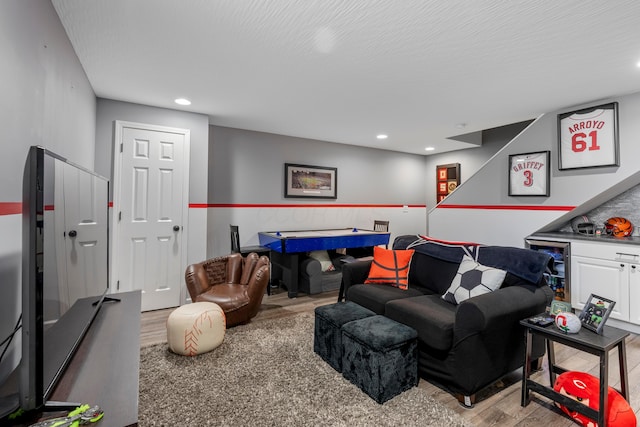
[{"x": 195, "y": 328}]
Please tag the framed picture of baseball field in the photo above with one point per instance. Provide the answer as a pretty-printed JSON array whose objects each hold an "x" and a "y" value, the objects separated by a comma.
[
  {"x": 529, "y": 174},
  {"x": 588, "y": 138},
  {"x": 310, "y": 181}
]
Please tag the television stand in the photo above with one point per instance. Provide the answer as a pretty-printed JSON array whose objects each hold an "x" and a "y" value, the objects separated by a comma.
[
  {"x": 104, "y": 370},
  {"x": 106, "y": 300}
]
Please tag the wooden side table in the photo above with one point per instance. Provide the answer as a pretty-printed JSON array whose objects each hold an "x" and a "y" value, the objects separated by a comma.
[{"x": 585, "y": 340}]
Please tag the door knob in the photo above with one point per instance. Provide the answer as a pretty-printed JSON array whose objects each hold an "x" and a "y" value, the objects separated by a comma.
[
  {"x": 73, "y": 233},
  {"x": 176, "y": 228}
]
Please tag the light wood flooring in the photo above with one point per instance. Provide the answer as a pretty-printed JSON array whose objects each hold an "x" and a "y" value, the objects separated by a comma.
[{"x": 498, "y": 406}]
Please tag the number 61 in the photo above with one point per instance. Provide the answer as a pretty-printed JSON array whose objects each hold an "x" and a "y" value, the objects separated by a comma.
[{"x": 579, "y": 143}]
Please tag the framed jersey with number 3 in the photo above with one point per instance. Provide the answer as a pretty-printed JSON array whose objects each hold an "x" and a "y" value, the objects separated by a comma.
[
  {"x": 529, "y": 174},
  {"x": 589, "y": 137}
]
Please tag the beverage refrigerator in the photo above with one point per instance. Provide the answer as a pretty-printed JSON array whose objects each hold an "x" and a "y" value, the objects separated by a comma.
[{"x": 558, "y": 277}]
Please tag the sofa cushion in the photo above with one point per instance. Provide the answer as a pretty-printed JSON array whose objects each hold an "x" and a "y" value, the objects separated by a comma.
[
  {"x": 432, "y": 274},
  {"x": 374, "y": 297},
  {"x": 390, "y": 267},
  {"x": 527, "y": 264},
  {"x": 429, "y": 315},
  {"x": 473, "y": 279}
]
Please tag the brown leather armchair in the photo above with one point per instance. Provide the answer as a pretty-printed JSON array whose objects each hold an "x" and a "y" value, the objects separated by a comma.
[{"x": 235, "y": 283}]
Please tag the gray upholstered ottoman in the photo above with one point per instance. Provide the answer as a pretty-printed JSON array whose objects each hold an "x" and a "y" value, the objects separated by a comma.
[
  {"x": 327, "y": 337},
  {"x": 380, "y": 356}
]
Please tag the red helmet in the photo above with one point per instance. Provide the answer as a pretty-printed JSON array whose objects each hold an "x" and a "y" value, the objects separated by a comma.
[{"x": 618, "y": 227}]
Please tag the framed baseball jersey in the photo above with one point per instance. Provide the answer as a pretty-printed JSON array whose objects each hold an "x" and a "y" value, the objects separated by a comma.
[
  {"x": 529, "y": 174},
  {"x": 588, "y": 138}
]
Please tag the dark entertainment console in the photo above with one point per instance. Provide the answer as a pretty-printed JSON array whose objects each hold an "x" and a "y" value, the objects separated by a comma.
[{"x": 104, "y": 371}]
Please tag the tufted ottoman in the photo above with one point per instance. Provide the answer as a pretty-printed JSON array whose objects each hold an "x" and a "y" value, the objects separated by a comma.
[
  {"x": 327, "y": 337},
  {"x": 195, "y": 328},
  {"x": 380, "y": 356}
]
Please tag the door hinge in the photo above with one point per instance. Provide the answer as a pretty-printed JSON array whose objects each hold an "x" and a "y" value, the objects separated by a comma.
[
  {"x": 119, "y": 216},
  {"x": 118, "y": 285},
  {"x": 121, "y": 147}
]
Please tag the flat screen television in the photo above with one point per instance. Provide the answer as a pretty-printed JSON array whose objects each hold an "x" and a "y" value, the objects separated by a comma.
[{"x": 64, "y": 269}]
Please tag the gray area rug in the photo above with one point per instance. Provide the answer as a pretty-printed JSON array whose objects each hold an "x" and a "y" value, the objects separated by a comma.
[{"x": 266, "y": 374}]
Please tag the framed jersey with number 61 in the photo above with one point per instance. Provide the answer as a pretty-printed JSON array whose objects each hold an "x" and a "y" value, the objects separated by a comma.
[
  {"x": 589, "y": 137},
  {"x": 529, "y": 174}
]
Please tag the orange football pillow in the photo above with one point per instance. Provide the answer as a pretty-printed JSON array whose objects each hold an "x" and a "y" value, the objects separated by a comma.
[{"x": 391, "y": 267}]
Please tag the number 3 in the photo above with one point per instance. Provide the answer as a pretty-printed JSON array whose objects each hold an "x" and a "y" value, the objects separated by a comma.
[{"x": 528, "y": 182}]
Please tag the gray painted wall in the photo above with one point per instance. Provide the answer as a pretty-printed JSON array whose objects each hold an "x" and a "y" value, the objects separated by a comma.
[
  {"x": 583, "y": 188},
  {"x": 48, "y": 101},
  {"x": 248, "y": 167},
  {"x": 568, "y": 187},
  {"x": 108, "y": 111},
  {"x": 471, "y": 160}
]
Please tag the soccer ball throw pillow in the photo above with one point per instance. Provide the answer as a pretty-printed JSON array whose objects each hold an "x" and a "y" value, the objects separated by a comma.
[{"x": 473, "y": 279}]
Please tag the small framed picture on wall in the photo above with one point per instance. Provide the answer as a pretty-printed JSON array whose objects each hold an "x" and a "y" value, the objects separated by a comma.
[
  {"x": 588, "y": 138},
  {"x": 529, "y": 174},
  {"x": 447, "y": 180}
]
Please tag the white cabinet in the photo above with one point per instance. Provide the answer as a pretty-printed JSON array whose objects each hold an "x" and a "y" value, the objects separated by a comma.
[
  {"x": 601, "y": 277},
  {"x": 609, "y": 270},
  {"x": 634, "y": 294}
]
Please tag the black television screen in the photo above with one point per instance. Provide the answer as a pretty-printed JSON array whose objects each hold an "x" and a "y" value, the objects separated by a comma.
[{"x": 65, "y": 267}]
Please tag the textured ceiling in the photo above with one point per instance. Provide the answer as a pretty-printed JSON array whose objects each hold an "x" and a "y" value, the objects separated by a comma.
[{"x": 344, "y": 70}]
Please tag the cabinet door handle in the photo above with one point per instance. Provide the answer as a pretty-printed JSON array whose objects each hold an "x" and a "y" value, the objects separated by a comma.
[
  {"x": 621, "y": 265},
  {"x": 633, "y": 267},
  {"x": 621, "y": 254}
]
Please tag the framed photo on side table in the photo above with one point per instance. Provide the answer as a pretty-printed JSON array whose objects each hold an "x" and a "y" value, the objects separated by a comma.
[
  {"x": 529, "y": 174},
  {"x": 596, "y": 312},
  {"x": 559, "y": 307},
  {"x": 588, "y": 138}
]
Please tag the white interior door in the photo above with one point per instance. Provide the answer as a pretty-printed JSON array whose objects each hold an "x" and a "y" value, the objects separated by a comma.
[{"x": 150, "y": 213}]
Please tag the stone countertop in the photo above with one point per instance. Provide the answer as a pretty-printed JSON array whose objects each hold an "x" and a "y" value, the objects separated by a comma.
[{"x": 561, "y": 236}]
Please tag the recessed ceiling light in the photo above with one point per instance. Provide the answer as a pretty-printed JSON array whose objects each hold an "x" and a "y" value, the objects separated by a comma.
[
  {"x": 182, "y": 101},
  {"x": 461, "y": 125},
  {"x": 429, "y": 148},
  {"x": 382, "y": 136}
]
